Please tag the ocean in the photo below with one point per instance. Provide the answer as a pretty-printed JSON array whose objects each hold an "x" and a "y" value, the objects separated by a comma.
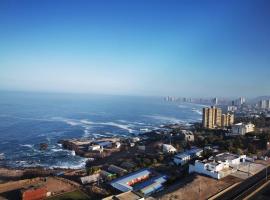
[{"x": 28, "y": 119}]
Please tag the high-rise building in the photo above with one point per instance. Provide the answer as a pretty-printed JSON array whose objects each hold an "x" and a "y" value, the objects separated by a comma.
[
  {"x": 215, "y": 101},
  {"x": 268, "y": 104},
  {"x": 211, "y": 117},
  {"x": 242, "y": 100},
  {"x": 262, "y": 104},
  {"x": 227, "y": 120}
]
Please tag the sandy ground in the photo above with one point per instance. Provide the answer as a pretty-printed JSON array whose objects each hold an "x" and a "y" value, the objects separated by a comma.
[
  {"x": 196, "y": 187},
  {"x": 10, "y": 173}
]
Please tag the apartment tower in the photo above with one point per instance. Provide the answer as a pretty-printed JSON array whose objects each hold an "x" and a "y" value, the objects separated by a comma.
[{"x": 212, "y": 117}]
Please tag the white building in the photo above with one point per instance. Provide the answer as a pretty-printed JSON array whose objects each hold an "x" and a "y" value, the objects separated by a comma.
[
  {"x": 242, "y": 129},
  {"x": 183, "y": 158},
  {"x": 218, "y": 166},
  {"x": 167, "y": 148},
  {"x": 232, "y": 108},
  {"x": 209, "y": 168},
  {"x": 94, "y": 147},
  {"x": 233, "y": 159}
]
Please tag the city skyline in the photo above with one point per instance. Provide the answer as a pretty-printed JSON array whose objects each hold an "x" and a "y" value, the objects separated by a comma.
[{"x": 180, "y": 48}]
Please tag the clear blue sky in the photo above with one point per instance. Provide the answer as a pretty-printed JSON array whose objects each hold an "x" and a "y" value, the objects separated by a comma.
[{"x": 145, "y": 47}]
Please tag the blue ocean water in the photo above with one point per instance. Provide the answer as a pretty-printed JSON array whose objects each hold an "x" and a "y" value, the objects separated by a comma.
[{"x": 28, "y": 119}]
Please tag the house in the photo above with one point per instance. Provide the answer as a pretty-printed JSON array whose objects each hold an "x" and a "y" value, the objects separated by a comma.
[
  {"x": 242, "y": 129},
  {"x": 167, "y": 148},
  {"x": 187, "y": 135},
  {"x": 183, "y": 158},
  {"x": 232, "y": 159},
  {"x": 219, "y": 166},
  {"x": 104, "y": 144},
  {"x": 145, "y": 181},
  {"x": 118, "y": 170},
  {"x": 90, "y": 179},
  {"x": 210, "y": 168}
]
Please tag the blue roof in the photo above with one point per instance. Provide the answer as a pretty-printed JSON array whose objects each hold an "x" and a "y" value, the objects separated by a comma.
[{"x": 121, "y": 183}]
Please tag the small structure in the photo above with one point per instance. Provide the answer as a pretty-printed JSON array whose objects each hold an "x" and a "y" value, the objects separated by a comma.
[
  {"x": 187, "y": 135},
  {"x": 95, "y": 147},
  {"x": 128, "y": 165},
  {"x": 183, "y": 158},
  {"x": 242, "y": 129},
  {"x": 104, "y": 144},
  {"x": 90, "y": 179},
  {"x": 118, "y": 170},
  {"x": 107, "y": 175},
  {"x": 117, "y": 145},
  {"x": 167, "y": 148}
]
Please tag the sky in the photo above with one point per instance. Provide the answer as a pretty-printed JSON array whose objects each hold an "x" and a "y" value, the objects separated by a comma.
[{"x": 196, "y": 48}]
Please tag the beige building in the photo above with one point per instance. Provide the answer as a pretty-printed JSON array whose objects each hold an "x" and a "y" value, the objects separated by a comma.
[
  {"x": 211, "y": 117},
  {"x": 227, "y": 120}
]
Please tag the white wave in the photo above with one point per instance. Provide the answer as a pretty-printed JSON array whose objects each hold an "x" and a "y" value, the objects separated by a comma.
[
  {"x": 85, "y": 121},
  {"x": 56, "y": 150},
  {"x": 31, "y": 146},
  {"x": 165, "y": 118},
  {"x": 197, "y": 111},
  {"x": 121, "y": 126},
  {"x": 68, "y": 165},
  {"x": 182, "y": 106}
]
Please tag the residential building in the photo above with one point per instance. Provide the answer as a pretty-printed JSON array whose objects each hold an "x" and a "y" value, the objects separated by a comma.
[
  {"x": 242, "y": 129},
  {"x": 167, "y": 148},
  {"x": 211, "y": 117},
  {"x": 218, "y": 166},
  {"x": 90, "y": 179},
  {"x": 117, "y": 170},
  {"x": 227, "y": 120},
  {"x": 232, "y": 108},
  {"x": 209, "y": 168},
  {"x": 232, "y": 159},
  {"x": 184, "y": 157},
  {"x": 187, "y": 135},
  {"x": 181, "y": 159}
]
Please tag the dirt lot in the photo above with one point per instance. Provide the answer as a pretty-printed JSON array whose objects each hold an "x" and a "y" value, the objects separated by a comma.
[
  {"x": 11, "y": 189},
  {"x": 196, "y": 187},
  {"x": 58, "y": 186}
]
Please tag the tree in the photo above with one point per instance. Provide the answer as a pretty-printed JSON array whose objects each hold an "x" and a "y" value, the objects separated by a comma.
[{"x": 252, "y": 148}]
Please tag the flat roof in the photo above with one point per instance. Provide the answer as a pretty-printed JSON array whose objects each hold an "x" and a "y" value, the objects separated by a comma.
[
  {"x": 226, "y": 156},
  {"x": 122, "y": 181}
]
